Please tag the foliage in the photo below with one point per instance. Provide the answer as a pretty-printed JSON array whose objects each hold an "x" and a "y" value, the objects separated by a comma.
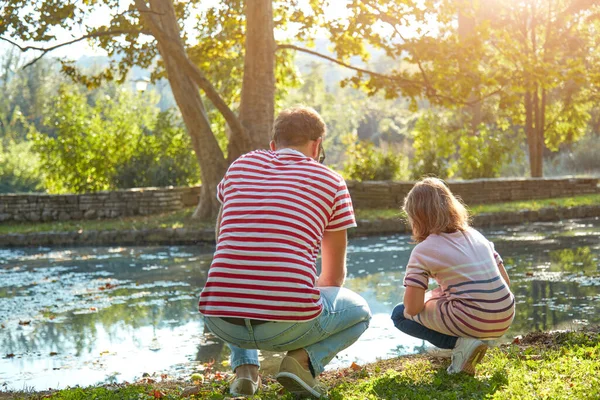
[
  {"x": 366, "y": 163},
  {"x": 99, "y": 146},
  {"x": 579, "y": 158},
  {"x": 19, "y": 168},
  {"x": 434, "y": 145},
  {"x": 483, "y": 155},
  {"x": 162, "y": 158},
  {"x": 535, "y": 61}
]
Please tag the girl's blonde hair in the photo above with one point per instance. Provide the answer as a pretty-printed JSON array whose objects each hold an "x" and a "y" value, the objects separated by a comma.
[{"x": 432, "y": 208}]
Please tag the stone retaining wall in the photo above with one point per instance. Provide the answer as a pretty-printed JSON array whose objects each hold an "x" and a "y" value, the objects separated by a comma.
[
  {"x": 185, "y": 236},
  {"x": 478, "y": 191},
  {"x": 102, "y": 205},
  {"x": 145, "y": 201}
]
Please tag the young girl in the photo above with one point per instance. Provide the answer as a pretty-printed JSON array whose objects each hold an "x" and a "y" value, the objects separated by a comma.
[{"x": 473, "y": 302}]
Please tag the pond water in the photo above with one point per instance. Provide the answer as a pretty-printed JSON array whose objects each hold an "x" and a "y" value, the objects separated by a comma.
[{"x": 83, "y": 316}]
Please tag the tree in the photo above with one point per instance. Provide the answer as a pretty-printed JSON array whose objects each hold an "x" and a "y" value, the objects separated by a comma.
[
  {"x": 536, "y": 60},
  {"x": 127, "y": 35}
]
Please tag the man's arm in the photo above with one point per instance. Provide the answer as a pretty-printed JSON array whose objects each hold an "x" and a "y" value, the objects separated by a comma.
[
  {"x": 333, "y": 258},
  {"x": 218, "y": 225}
]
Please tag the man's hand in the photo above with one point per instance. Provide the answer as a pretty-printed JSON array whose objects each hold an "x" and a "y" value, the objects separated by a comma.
[{"x": 333, "y": 258}]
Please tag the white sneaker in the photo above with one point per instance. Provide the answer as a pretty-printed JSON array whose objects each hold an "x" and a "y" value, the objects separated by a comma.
[
  {"x": 244, "y": 387},
  {"x": 466, "y": 354}
]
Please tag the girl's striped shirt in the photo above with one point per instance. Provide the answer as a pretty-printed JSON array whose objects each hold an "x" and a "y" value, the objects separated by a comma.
[
  {"x": 472, "y": 299},
  {"x": 276, "y": 207}
]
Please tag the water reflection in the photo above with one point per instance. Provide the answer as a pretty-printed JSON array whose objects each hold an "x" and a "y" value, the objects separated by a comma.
[{"x": 89, "y": 315}]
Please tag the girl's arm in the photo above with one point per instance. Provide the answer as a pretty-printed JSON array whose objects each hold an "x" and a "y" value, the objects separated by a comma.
[
  {"x": 503, "y": 272},
  {"x": 414, "y": 300}
]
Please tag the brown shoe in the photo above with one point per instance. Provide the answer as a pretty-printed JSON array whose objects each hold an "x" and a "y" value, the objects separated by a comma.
[{"x": 298, "y": 380}]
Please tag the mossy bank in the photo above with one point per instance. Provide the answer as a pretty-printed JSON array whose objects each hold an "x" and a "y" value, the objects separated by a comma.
[{"x": 559, "y": 365}]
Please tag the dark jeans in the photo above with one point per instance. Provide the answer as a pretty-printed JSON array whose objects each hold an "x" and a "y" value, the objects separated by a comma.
[{"x": 417, "y": 330}]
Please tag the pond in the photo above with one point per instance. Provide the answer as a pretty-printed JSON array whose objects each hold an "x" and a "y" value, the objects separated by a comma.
[{"x": 84, "y": 316}]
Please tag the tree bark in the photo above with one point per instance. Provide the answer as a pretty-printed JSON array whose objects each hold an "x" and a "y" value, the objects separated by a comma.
[
  {"x": 187, "y": 96},
  {"x": 466, "y": 28},
  {"x": 531, "y": 135},
  {"x": 257, "y": 107}
]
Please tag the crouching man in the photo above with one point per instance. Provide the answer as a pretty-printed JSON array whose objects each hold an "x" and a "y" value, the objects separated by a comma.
[{"x": 279, "y": 209}]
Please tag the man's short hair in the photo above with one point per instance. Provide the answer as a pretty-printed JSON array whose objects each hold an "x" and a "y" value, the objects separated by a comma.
[{"x": 297, "y": 125}]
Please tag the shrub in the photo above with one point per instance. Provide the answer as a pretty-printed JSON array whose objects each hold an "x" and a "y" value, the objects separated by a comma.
[
  {"x": 367, "y": 163},
  {"x": 19, "y": 168}
]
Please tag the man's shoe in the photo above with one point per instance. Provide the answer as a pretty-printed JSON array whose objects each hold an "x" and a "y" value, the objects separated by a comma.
[
  {"x": 244, "y": 387},
  {"x": 298, "y": 380},
  {"x": 466, "y": 354}
]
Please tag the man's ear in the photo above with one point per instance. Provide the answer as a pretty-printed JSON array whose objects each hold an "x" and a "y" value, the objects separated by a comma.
[
  {"x": 316, "y": 145},
  {"x": 272, "y": 145}
]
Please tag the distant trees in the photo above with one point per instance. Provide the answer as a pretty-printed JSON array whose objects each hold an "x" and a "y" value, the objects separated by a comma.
[{"x": 532, "y": 64}]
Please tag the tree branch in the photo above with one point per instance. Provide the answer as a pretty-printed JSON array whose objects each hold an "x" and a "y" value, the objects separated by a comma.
[
  {"x": 174, "y": 48},
  {"x": 46, "y": 50},
  {"x": 406, "y": 82}
]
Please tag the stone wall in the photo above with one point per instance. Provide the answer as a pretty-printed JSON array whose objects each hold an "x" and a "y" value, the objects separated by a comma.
[
  {"x": 186, "y": 236},
  {"x": 477, "y": 191},
  {"x": 121, "y": 203},
  {"x": 146, "y": 201}
]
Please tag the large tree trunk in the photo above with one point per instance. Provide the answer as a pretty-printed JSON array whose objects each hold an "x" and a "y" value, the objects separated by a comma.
[
  {"x": 187, "y": 96},
  {"x": 466, "y": 28},
  {"x": 532, "y": 137},
  {"x": 257, "y": 107}
]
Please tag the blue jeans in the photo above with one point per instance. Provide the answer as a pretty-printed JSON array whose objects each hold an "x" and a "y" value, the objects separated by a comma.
[
  {"x": 419, "y": 331},
  {"x": 344, "y": 318}
]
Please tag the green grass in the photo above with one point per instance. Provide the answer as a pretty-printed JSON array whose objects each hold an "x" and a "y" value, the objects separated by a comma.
[
  {"x": 542, "y": 366},
  {"x": 174, "y": 219},
  {"x": 513, "y": 206},
  {"x": 182, "y": 218}
]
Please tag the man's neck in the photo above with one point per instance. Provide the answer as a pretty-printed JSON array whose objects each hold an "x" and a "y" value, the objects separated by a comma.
[{"x": 302, "y": 149}]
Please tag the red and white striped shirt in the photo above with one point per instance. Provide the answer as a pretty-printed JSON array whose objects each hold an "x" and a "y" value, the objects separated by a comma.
[{"x": 276, "y": 207}]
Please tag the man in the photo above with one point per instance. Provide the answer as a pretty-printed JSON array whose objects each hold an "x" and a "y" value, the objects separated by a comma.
[{"x": 279, "y": 208}]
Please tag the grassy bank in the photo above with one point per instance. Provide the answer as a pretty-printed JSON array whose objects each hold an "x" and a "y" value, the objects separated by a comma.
[
  {"x": 538, "y": 366},
  {"x": 183, "y": 218}
]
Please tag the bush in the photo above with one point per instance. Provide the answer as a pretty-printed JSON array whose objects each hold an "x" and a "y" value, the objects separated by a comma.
[
  {"x": 19, "y": 168},
  {"x": 434, "y": 145},
  {"x": 367, "y": 163},
  {"x": 163, "y": 158},
  {"x": 120, "y": 141}
]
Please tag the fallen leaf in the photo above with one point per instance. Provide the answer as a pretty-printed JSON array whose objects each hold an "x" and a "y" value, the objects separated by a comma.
[
  {"x": 53, "y": 353},
  {"x": 24, "y": 322},
  {"x": 517, "y": 340},
  {"x": 219, "y": 376},
  {"x": 355, "y": 366},
  {"x": 528, "y": 273},
  {"x": 93, "y": 309},
  {"x": 157, "y": 394},
  {"x": 189, "y": 391}
]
